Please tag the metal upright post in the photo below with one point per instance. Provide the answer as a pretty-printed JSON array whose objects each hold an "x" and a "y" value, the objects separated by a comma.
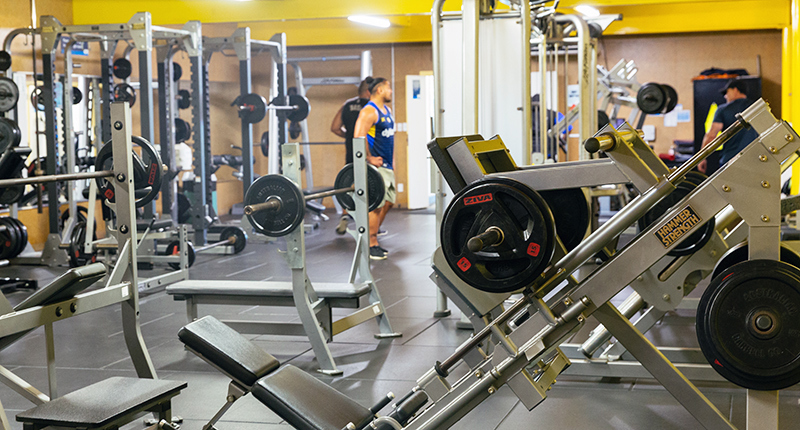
[
  {"x": 125, "y": 209},
  {"x": 107, "y": 49},
  {"x": 281, "y": 62},
  {"x": 202, "y": 152},
  {"x": 51, "y": 163},
  {"x": 470, "y": 16},
  {"x": 69, "y": 141},
  {"x": 241, "y": 41},
  {"x": 166, "y": 107},
  {"x": 142, "y": 36}
]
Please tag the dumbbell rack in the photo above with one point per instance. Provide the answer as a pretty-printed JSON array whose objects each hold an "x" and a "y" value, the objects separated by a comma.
[
  {"x": 528, "y": 357},
  {"x": 119, "y": 286}
]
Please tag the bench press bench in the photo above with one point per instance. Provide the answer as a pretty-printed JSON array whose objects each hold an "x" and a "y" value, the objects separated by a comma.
[
  {"x": 303, "y": 401},
  {"x": 108, "y": 404}
]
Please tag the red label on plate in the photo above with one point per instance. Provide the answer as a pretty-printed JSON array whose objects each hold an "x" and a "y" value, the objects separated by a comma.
[
  {"x": 152, "y": 177},
  {"x": 464, "y": 264},
  {"x": 474, "y": 200},
  {"x": 533, "y": 249}
]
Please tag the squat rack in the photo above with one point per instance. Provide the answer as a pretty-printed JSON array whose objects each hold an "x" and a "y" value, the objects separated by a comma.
[{"x": 142, "y": 33}]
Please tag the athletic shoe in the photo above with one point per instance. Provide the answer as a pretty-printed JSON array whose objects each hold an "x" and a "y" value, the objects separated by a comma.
[
  {"x": 376, "y": 253},
  {"x": 385, "y": 251},
  {"x": 382, "y": 232},
  {"x": 342, "y": 227}
]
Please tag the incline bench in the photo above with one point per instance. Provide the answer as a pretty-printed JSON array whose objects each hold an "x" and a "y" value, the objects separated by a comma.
[
  {"x": 303, "y": 401},
  {"x": 107, "y": 404}
]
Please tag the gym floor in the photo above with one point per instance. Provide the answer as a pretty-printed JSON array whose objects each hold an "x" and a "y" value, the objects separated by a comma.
[{"x": 90, "y": 347}]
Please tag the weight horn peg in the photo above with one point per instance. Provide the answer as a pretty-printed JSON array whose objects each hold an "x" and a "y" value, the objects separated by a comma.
[{"x": 489, "y": 238}]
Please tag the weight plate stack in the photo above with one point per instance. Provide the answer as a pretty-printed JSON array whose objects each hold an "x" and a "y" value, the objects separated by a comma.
[
  {"x": 10, "y": 134},
  {"x": 740, "y": 252},
  {"x": 748, "y": 321},
  {"x": 13, "y": 194},
  {"x": 122, "y": 68},
  {"x": 10, "y": 239},
  {"x": 376, "y": 188},
  {"x": 77, "y": 255},
  {"x": 287, "y": 217},
  {"x": 527, "y": 243},
  {"x": 5, "y": 60},
  {"x": 651, "y": 98},
  {"x": 238, "y": 235}
]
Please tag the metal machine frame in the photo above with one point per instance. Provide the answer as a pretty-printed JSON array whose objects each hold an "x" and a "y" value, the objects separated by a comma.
[
  {"x": 119, "y": 286},
  {"x": 527, "y": 356}
]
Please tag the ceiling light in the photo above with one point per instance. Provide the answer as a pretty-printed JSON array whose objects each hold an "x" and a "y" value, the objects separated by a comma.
[
  {"x": 587, "y": 11},
  {"x": 370, "y": 20}
]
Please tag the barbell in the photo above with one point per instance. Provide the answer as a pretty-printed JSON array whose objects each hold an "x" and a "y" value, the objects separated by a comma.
[
  {"x": 253, "y": 107},
  {"x": 147, "y": 174},
  {"x": 275, "y": 205}
]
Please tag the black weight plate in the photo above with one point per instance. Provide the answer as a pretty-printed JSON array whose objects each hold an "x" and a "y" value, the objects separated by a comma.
[
  {"x": 9, "y": 94},
  {"x": 651, "y": 98},
  {"x": 281, "y": 221},
  {"x": 77, "y": 255},
  {"x": 265, "y": 143},
  {"x": 740, "y": 252},
  {"x": 174, "y": 249},
  {"x": 748, "y": 325},
  {"x": 295, "y": 130},
  {"x": 5, "y": 60},
  {"x": 10, "y": 134},
  {"x": 238, "y": 235},
  {"x": 23, "y": 234},
  {"x": 177, "y": 72},
  {"x": 122, "y": 68},
  {"x": 83, "y": 212},
  {"x": 37, "y": 98},
  {"x": 376, "y": 188},
  {"x": 125, "y": 93},
  {"x": 77, "y": 95},
  {"x": 694, "y": 241},
  {"x": 8, "y": 240},
  {"x": 184, "y": 98},
  {"x": 303, "y": 108},
  {"x": 302, "y": 162},
  {"x": 252, "y": 107},
  {"x": 528, "y": 235},
  {"x": 13, "y": 194},
  {"x": 672, "y": 98},
  {"x": 183, "y": 131},
  {"x": 147, "y": 172},
  {"x": 572, "y": 212}
]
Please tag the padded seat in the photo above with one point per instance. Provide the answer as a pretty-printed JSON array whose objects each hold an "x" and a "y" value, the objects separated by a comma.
[
  {"x": 308, "y": 403},
  {"x": 108, "y": 404},
  {"x": 193, "y": 287},
  {"x": 228, "y": 350},
  {"x": 72, "y": 282}
]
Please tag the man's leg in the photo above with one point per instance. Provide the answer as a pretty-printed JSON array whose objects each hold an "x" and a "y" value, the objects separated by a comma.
[{"x": 374, "y": 224}]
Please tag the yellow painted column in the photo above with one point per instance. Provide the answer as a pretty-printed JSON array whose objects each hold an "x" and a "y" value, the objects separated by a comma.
[{"x": 790, "y": 84}]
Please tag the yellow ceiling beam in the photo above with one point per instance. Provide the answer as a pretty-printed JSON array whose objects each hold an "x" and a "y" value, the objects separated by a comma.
[
  {"x": 179, "y": 11},
  {"x": 340, "y": 31}
]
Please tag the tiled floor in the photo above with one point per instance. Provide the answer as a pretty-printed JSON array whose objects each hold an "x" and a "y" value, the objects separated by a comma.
[{"x": 90, "y": 347}]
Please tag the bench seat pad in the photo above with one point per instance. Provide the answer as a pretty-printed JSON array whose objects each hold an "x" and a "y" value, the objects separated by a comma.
[
  {"x": 102, "y": 402},
  {"x": 231, "y": 352},
  {"x": 308, "y": 403},
  {"x": 257, "y": 288}
]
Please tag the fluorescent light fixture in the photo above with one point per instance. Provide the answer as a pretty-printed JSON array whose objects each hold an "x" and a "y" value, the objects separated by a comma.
[
  {"x": 587, "y": 11},
  {"x": 370, "y": 20}
]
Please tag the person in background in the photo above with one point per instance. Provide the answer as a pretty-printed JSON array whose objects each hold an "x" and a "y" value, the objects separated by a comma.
[
  {"x": 375, "y": 122},
  {"x": 735, "y": 92},
  {"x": 343, "y": 125}
]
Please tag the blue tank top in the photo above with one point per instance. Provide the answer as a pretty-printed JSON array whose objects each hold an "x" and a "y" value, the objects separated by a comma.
[{"x": 381, "y": 136}]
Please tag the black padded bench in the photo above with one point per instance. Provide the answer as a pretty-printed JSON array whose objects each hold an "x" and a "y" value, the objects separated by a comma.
[
  {"x": 158, "y": 225},
  {"x": 256, "y": 293},
  {"x": 72, "y": 282},
  {"x": 108, "y": 404},
  {"x": 302, "y": 400}
]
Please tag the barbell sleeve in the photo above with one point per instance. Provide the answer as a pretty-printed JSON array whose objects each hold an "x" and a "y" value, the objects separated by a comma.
[
  {"x": 55, "y": 178},
  {"x": 272, "y": 203},
  {"x": 491, "y": 237},
  {"x": 229, "y": 241},
  {"x": 607, "y": 142}
]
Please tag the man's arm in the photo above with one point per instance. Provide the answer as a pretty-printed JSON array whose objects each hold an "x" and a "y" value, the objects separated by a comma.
[
  {"x": 713, "y": 131},
  {"x": 366, "y": 118},
  {"x": 337, "y": 124}
]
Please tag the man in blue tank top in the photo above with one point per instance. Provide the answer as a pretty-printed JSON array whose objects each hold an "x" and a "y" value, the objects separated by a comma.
[
  {"x": 735, "y": 93},
  {"x": 376, "y": 124}
]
